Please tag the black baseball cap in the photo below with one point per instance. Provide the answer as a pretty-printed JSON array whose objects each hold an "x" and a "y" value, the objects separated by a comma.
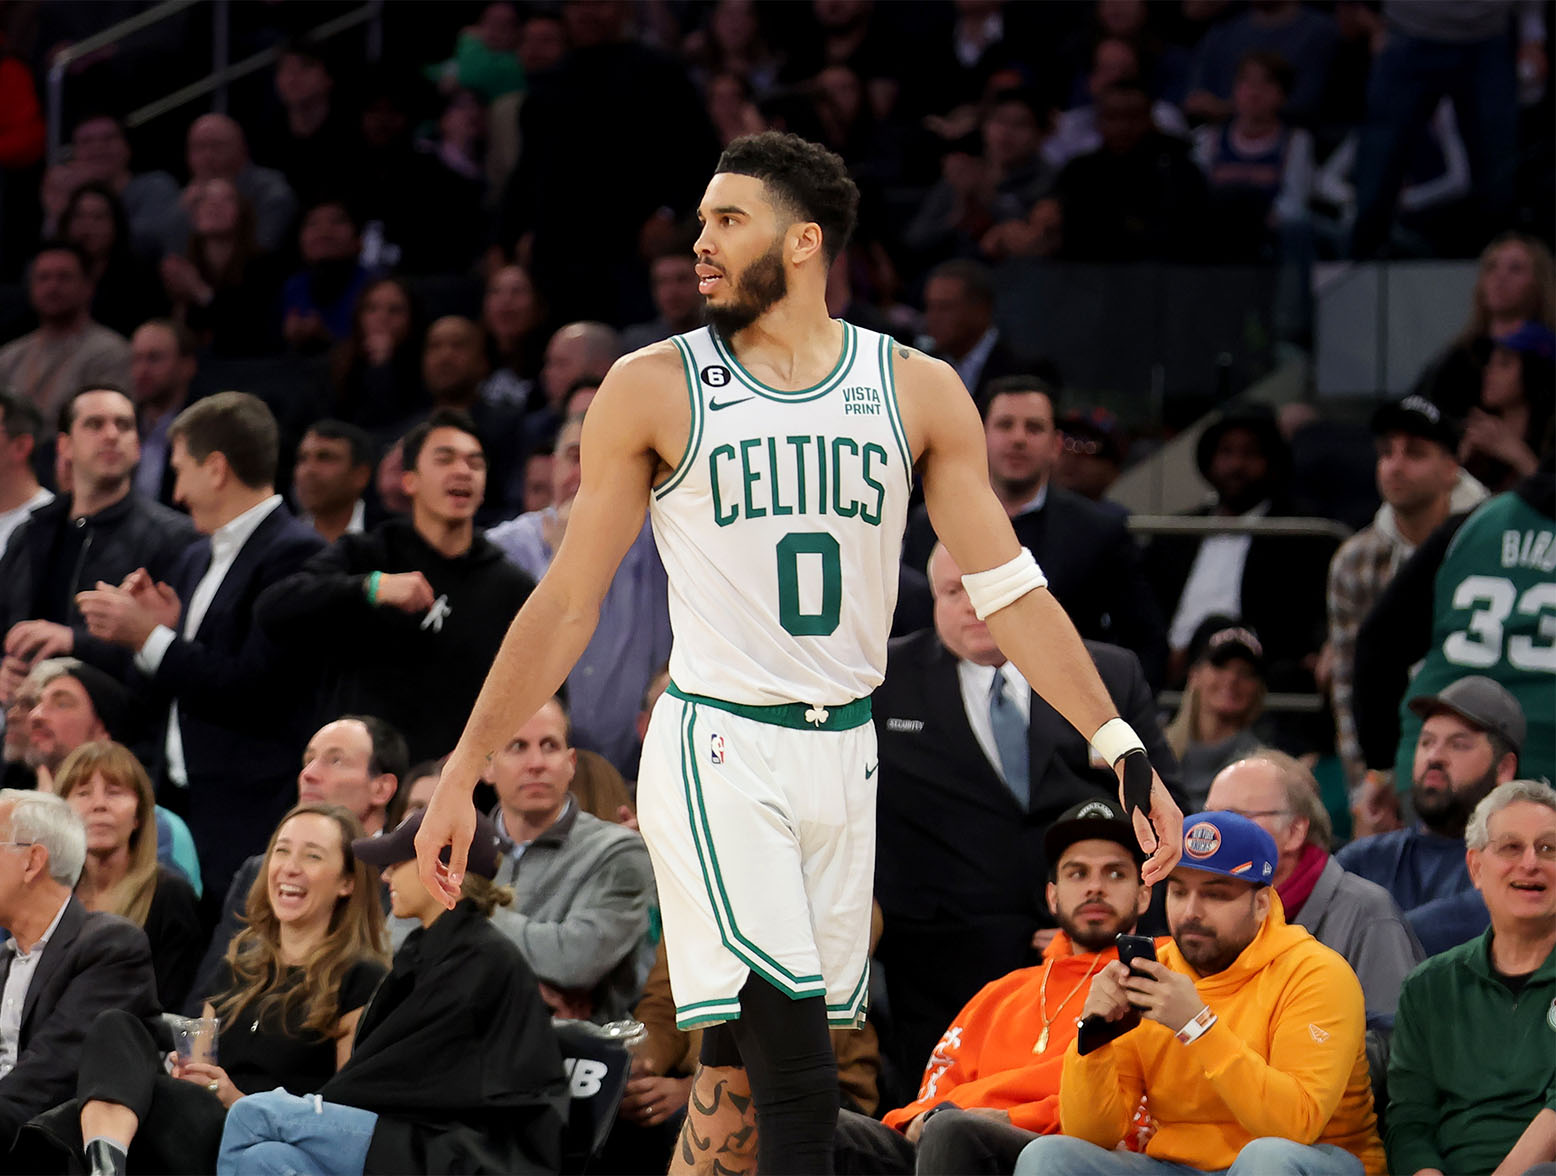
[
  {"x": 390, "y": 849},
  {"x": 1097, "y": 819},
  {"x": 1096, "y": 432},
  {"x": 1416, "y": 416},
  {"x": 1219, "y": 639}
]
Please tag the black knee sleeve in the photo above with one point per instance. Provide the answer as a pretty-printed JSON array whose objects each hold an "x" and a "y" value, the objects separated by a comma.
[
  {"x": 719, "y": 1047},
  {"x": 787, "y": 1053}
]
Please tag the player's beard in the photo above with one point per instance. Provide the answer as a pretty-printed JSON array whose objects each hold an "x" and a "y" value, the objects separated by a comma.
[{"x": 761, "y": 284}]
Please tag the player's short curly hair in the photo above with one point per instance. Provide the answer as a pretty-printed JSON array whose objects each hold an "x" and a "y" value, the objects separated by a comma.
[{"x": 809, "y": 180}]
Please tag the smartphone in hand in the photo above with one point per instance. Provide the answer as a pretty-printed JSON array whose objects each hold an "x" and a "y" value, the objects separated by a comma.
[
  {"x": 1136, "y": 947},
  {"x": 1094, "y": 1031}
]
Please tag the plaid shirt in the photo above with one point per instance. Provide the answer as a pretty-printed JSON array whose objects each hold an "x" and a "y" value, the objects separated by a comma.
[{"x": 1359, "y": 572}]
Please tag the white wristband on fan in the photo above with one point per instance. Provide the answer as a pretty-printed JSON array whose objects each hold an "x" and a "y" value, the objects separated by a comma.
[
  {"x": 1114, "y": 740},
  {"x": 1196, "y": 1027}
]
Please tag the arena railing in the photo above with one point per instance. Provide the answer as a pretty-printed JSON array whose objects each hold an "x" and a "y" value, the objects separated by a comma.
[
  {"x": 1202, "y": 526},
  {"x": 222, "y": 72}
]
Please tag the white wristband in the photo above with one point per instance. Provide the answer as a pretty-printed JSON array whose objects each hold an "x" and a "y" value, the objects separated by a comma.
[
  {"x": 1196, "y": 1027},
  {"x": 992, "y": 590},
  {"x": 1114, "y": 740}
]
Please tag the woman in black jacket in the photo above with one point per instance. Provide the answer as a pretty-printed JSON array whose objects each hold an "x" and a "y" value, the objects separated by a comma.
[{"x": 455, "y": 1068}]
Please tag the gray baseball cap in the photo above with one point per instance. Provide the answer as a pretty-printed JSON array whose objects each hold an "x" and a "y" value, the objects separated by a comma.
[{"x": 1480, "y": 702}]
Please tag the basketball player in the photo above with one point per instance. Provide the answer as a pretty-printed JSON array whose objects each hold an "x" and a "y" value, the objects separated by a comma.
[{"x": 775, "y": 449}]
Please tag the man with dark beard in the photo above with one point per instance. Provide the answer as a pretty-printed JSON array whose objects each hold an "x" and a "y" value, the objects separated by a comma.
[
  {"x": 992, "y": 1083},
  {"x": 1250, "y": 1052},
  {"x": 775, "y": 451},
  {"x": 1472, "y": 734}
]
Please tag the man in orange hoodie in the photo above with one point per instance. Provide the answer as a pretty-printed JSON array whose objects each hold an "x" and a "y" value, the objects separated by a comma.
[
  {"x": 1249, "y": 1054},
  {"x": 992, "y": 1083}
]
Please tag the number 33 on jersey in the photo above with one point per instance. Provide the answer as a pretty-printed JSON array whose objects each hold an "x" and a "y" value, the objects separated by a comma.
[
  {"x": 781, "y": 525},
  {"x": 1496, "y": 615}
]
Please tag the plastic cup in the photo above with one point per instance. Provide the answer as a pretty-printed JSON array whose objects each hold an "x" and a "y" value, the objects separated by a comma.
[{"x": 194, "y": 1039}]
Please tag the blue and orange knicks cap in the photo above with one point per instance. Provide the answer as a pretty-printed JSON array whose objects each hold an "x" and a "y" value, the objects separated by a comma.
[{"x": 1225, "y": 843}]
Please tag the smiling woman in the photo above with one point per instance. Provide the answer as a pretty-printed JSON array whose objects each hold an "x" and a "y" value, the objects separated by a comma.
[{"x": 1223, "y": 699}]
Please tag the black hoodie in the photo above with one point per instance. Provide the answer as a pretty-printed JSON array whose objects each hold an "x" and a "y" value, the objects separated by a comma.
[
  {"x": 457, "y": 1057},
  {"x": 419, "y": 671}
]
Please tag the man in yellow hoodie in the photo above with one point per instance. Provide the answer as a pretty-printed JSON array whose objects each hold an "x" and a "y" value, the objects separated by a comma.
[{"x": 1249, "y": 1052}]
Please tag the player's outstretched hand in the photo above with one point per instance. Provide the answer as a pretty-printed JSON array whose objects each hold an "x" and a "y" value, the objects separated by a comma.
[
  {"x": 449, "y": 822},
  {"x": 1159, "y": 829}
]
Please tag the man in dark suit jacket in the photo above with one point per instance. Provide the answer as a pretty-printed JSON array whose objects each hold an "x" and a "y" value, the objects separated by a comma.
[
  {"x": 1275, "y": 584},
  {"x": 1092, "y": 563},
  {"x": 239, "y": 711},
  {"x": 959, "y": 317},
  {"x": 960, "y": 866},
  {"x": 63, "y": 963}
]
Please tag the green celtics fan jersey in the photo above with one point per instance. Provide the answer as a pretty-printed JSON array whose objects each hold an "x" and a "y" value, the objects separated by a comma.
[
  {"x": 781, "y": 526},
  {"x": 1496, "y": 615}
]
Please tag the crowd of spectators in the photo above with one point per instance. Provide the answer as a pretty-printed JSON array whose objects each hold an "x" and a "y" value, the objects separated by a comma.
[{"x": 240, "y": 627}]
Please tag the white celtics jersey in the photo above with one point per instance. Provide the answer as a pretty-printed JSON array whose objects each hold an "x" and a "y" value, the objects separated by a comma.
[{"x": 781, "y": 527}]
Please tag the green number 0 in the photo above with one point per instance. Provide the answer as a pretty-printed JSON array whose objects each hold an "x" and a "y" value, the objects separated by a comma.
[{"x": 790, "y": 548}]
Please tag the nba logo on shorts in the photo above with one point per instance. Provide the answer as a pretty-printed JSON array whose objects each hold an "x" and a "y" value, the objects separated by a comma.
[{"x": 716, "y": 748}]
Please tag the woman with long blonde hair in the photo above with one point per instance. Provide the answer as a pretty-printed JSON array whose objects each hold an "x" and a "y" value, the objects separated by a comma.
[
  {"x": 111, "y": 792},
  {"x": 1222, "y": 700},
  {"x": 1515, "y": 286},
  {"x": 293, "y": 985}
]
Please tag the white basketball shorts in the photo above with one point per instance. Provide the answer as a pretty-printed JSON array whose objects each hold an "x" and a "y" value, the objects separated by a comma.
[{"x": 761, "y": 825}]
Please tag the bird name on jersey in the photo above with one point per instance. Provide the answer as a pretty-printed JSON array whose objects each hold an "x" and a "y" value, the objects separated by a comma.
[
  {"x": 1529, "y": 549},
  {"x": 800, "y": 474}
]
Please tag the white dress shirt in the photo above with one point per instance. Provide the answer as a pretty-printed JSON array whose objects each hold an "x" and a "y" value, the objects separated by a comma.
[
  {"x": 14, "y": 999},
  {"x": 1215, "y": 583},
  {"x": 976, "y": 682},
  {"x": 226, "y": 541},
  {"x": 15, "y": 517}
]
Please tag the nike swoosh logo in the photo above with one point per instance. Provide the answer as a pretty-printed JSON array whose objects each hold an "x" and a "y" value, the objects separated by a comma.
[
  {"x": 870, "y": 771},
  {"x": 715, "y": 405}
]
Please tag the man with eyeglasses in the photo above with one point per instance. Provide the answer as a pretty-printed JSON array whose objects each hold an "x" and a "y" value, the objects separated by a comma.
[
  {"x": 1355, "y": 917},
  {"x": 1472, "y": 1072}
]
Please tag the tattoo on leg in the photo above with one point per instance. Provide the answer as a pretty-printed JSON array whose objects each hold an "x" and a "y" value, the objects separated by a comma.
[{"x": 728, "y": 1145}]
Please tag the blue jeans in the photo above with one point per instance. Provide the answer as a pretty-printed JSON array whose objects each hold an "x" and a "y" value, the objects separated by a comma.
[
  {"x": 1059, "y": 1155},
  {"x": 281, "y": 1134},
  {"x": 1407, "y": 80}
]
